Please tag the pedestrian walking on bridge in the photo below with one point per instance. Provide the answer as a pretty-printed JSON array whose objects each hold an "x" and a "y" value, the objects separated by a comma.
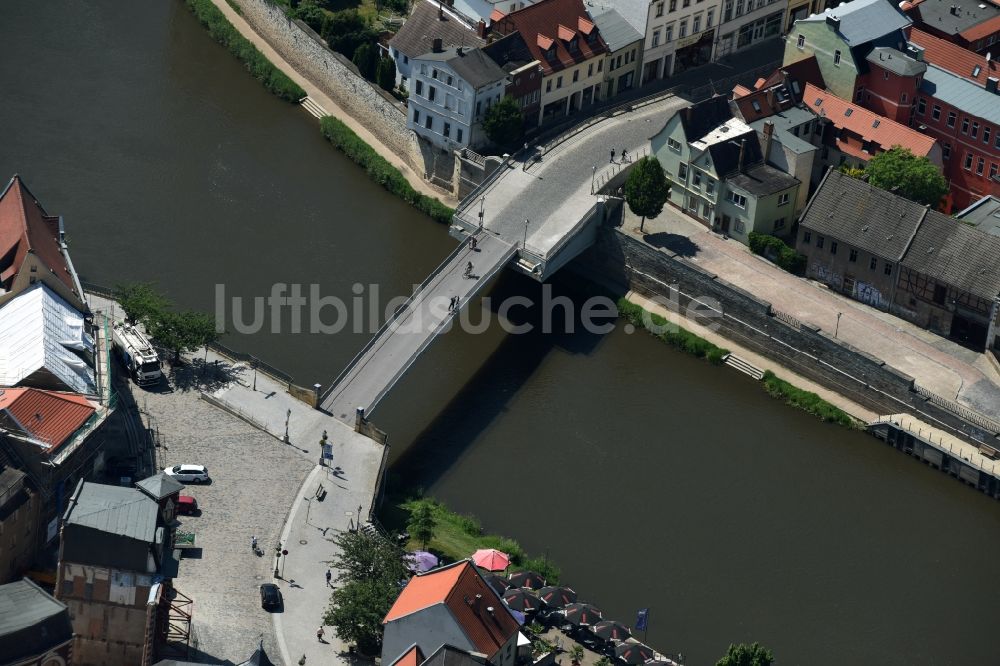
[
  {"x": 468, "y": 270},
  {"x": 328, "y": 577},
  {"x": 612, "y": 155}
]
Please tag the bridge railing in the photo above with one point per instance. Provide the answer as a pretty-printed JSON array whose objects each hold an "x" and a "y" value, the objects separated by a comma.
[
  {"x": 388, "y": 322},
  {"x": 481, "y": 189}
]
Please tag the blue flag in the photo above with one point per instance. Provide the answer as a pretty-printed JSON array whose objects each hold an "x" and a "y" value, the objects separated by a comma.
[{"x": 641, "y": 619}]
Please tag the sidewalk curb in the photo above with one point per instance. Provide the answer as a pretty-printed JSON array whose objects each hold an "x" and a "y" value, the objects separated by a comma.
[{"x": 279, "y": 635}]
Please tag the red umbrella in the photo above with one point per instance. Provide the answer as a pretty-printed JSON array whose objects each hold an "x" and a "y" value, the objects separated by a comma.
[{"x": 491, "y": 559}]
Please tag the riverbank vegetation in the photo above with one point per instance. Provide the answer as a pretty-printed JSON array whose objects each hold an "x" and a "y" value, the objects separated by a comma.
[
  {"x": 805, "y": 400},
  {"x": 176, "y": 331},
  {"x": 673, "y": 335},
  {"x": 456, "y": 536},
  {"x": 259, "y": 67},
  {"x": 380, "y": 170}
]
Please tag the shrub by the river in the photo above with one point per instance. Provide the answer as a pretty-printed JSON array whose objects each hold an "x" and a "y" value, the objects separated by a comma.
[
  {"x": 674, "y": 336},
  {"x": 380, "y": 170},
  {"x": 805, "y": 400},
  {"x": 260, "y": 67}
]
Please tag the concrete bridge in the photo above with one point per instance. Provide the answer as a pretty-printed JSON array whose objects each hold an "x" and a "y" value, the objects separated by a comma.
[{"x": 537, "y": 212}]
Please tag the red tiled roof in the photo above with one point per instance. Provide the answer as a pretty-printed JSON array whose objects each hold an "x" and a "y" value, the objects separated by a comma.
[
  {"x": 960, "y": 62},
  {"x": 552, "y": 17},
  {"x": 984, "y": 29},
  {"x": 740, "y": 91},
  {"x": 496, "y": 15},
  {"x": 49, "y": 416},
  {"x": 870, "y": 126},
  {"x": 469, "y": 598},
  {"x": 24, "y": 228},
  {"x": 412, "y": 657}
]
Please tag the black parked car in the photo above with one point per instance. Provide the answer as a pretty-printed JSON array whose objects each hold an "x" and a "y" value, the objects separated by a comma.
[{"x": 270, "y": 596}]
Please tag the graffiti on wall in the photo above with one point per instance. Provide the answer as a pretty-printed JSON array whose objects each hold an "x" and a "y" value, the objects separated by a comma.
[
  {"x": 826, "y": 275},
  {"x": 868, "y": 294}
]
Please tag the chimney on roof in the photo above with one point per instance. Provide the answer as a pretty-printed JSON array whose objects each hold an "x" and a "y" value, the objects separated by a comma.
[
  {"x": 743, "y": 150},
  {"x": 481, "y": 29},
  {"x": 991, "y": 84},
  {"x": 768, "y": 138},
  {"x": 437, "y": 45},
  {"x": 440, "y": 10},
  {"x": 953, "y": 10},
  {"x": 833, "y": 21}
]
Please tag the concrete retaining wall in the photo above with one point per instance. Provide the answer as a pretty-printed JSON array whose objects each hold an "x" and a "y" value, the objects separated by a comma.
[
  {"x": 336, "y": 77},
  {"x": 625, "y": 262}
]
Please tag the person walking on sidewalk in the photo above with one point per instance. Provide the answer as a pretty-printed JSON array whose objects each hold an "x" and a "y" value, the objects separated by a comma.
[
  {"x": 612, "y": 155},
  {"x": 328, "y": 577},
  {"x": 319, "y": 634}
]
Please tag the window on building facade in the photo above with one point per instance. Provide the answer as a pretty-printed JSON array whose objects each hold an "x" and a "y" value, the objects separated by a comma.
[
  {"x": 836, "y": 58},
  {"x": 416, "y": 116},
  {"x": 659, "y": 9},
  {"x": 727, "y": 14},
  {"x": 980, "y": 166},
  {"x": 887, "y": 269},
  {"x": 451, "y": 81},
  {"x": 656, "y": 38},
  {"x": 853, "y": 256},
  {"x": 873, "y": 264},
  {"x": 406, "y": 60},
  {"x": 820, "y": 241},
  {"x": 807, "y": 237},
  {"x": 423, "y": 69},
  {"x": 447, "y": 130},
  {"x": 434, "y": 73},
  {"x": 993, "y": 170},
  {"x": 859, "y": 95},
  {"x": 936, "y": 112},
  {"x": 431, "y": 93},
  {"x": 902, "y": 98},
  {"x": 739, "y": 8},
  {"x": 833, "y": 247},
  {"x": 576, "y": 76},
  {"x": 779, "y": 223},
  {"x": 429, "y": 122},
  {"x": 696, "y": 179},
  {"x": 458, "y": 134},
  {"x": 696, "y": 24},
  {"x": 951, "y": 119},
  {"x": 709, "y": 18},
  {"x": 968, "y": 161},
  {"x": 921, "y": 105},
  {"x": 668, "y": 33},
  {"x": 686, "y": 3},
  {"x": 946, "y": 151},
  {"x": 419, "y": 88},
  {"x": 965, "y": 125},
  {"x": 738, "y": 200},
  {"x": 987, "y": 130},
  {"x": 710, "y": 185},
  {"x": 682, "y": 29},
  {"x": 558, "y": 82},
  {"x": 674, "y": 145},
  {"x": 682, "y": 171},
  {"x": 974, "y": 133}
]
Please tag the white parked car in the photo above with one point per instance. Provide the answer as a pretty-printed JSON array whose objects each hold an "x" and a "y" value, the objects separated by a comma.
[{"x": 188, "y": 473}]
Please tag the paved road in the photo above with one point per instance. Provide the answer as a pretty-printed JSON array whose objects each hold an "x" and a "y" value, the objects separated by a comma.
[
  {"x": 554, "y": 194},
  {"x": 937, "y": 364},
  {"x": 393, "y": 351}
]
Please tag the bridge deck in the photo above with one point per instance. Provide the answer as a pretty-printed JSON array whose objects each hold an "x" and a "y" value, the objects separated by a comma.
[{"x": 394, "y": 348}]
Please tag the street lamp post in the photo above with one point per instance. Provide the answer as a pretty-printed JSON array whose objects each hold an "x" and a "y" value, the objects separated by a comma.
[
  {"x": 524, "y": 244},
  {"x": 592, "y": 177},
  {"x": 482, "y": 204},
  {"x": 836, "y": 330}
]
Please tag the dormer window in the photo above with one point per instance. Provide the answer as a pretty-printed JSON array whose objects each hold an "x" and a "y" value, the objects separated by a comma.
[
  {"x": 551, "y": 53},
  {"x": 574, "y": 44},
  {"x": 976, "y": 70}
]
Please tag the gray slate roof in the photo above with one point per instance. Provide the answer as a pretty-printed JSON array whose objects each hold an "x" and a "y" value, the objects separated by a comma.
[
  {"x": 615, "y": 28},
  {"x": 896, "y": 61},
  {"x": 423, "y": 26},
  {"x": 159, "y": 486},
  {"x": 863, "y": 21},
  {"x": 636, "y": 12},
  {"x": 115, "y": 510},
  {"x": 956, "y": 254},
  {"x": 31, "y": 621},
  {"x": 937, "y": 14},
  {"x": 970, "y": 97},
  {"x": 762, "y": 180},
  {"x": 983, "y": 214},
  {"x": 862, "y": 214},
  {"x": 472, "y": 65},
  {"x": 784, "y": 122}
]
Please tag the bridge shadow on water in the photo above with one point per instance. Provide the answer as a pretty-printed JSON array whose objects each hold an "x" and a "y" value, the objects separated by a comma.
[{"x": 487, "y": 394}]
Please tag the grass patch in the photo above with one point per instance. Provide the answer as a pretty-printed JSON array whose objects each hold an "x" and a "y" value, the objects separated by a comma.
[
  {"x": 805, "y": 400},
  {"x": 236, "y": 7},
  {"x": 458, "y": 536},
  {"x": 259, "y": 67},
  {"x": 674, "y": 336},
  {"x": 379, "y": 169}
]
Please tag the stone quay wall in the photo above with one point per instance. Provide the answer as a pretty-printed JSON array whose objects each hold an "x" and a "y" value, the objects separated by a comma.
[
  {"x": 622, "y": 261},
  {"x": 337, "y": 77}
]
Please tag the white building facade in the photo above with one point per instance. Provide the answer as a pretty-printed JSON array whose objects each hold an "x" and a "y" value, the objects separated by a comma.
[
  {"x": 748, "y": 22},
  {"x": 680, "y": 34},
  {"x": 450, "y": 93}
]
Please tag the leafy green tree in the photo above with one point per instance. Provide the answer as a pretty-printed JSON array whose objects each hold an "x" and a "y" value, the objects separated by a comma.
[
  {"x": 371, "y": 569},
  {"x": 183, "y": 331},
  {"x": 140, "y": 301},
  {"x": 356, "y": 612},
  {"x": 746, "y": 654},
  {"x": 311, "y": 15},
  {"x": 422, "y": 523},
  {"x": 503, "y": 123},
  {"x": 346, "y": 30},
  {"x": 366, "y": 60},
  {"x": 917, "y": 178},
  {"x": 385, "y": 74},
  {"x": 647, "y": 189}
]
